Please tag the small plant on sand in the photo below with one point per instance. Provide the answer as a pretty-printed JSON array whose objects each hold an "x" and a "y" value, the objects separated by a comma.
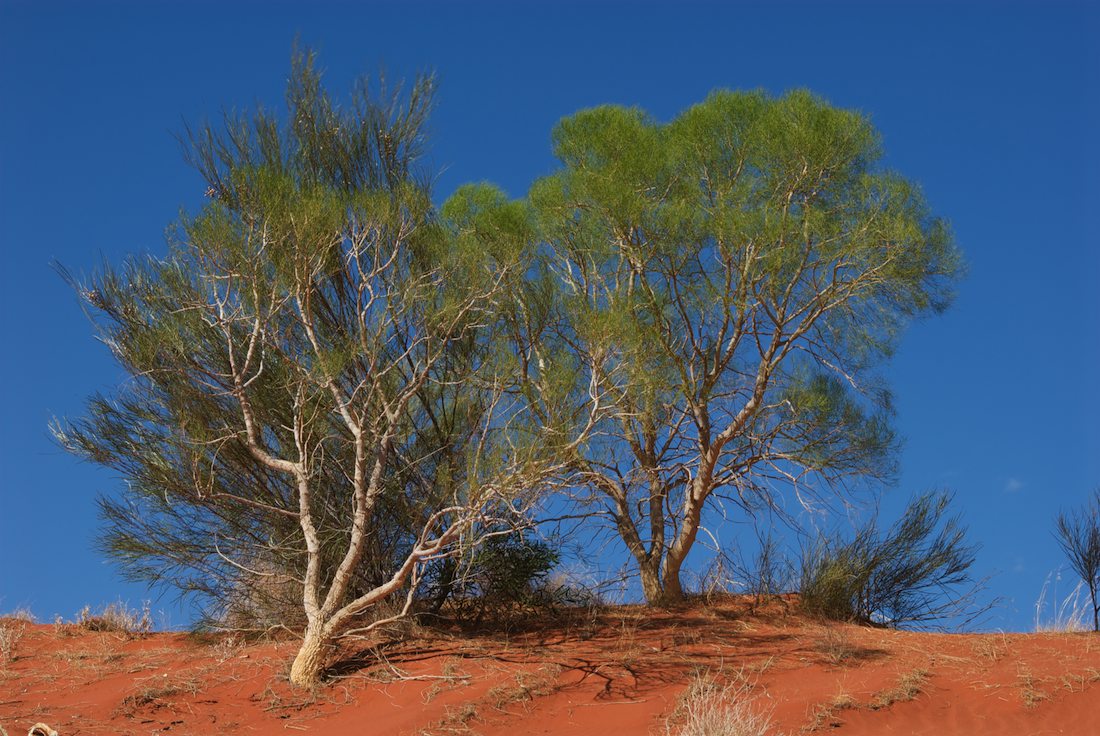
[
  {"x": 713, "y": 707},
  {"x": 909, "y": 686},
  {"x": 916, "y": 572},
  {"x": 11, "y": 631},
  {"x": 827, "y": 715},
  {"x": 837, "y": 646},
  {"x": 157, "y": 695},
  {"x": 1078, "y": 533},
  {"x": 526, "y": 686},
  {"x": 1030, "y": 692},
  {"x": 987, "y": 647},
  {"x": 117, "y": 618},
  {"x": 1068, "y": 613}
]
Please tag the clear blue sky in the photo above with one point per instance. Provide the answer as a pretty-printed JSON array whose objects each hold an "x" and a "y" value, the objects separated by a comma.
[{"x": 994, "y": 108}]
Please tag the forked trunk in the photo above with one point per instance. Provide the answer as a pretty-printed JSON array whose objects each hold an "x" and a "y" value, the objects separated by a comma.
[
  {"x": 310, "y": 661},
  {"x": 673, "y": 591},
  {"x": 651, "y": 583}
]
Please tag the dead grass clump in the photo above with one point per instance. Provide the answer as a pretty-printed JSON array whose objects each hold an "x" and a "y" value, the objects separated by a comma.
[
  {"x": 116, "y": 618},
  {"x": 526, "y": 687},
  {"x": 20, "y": 614},
  {"x": 456, "y": 721},
  {"x": 987, "y": 648},
  {"x": 710, "y": 707},
  {"x": 827, "y": 715},
  {"x": 156, "y": 696},
  {"x": 837, "y": 646},
  {"x": 1030, "y": 692},
  {"x": 11, "y": 631},
  {"x": 909, "y": 686},
  {"x": 1070, "y": 614}
]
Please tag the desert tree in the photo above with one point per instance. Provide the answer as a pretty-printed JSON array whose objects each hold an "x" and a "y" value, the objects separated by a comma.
[
  {"x": 724, "y": 286},
  {"x": 1078, "y": 533},
  {"x": 318, "y": 404}
]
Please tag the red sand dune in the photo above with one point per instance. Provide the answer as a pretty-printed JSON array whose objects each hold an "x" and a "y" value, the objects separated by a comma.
[{"x": 622, "y": 671}]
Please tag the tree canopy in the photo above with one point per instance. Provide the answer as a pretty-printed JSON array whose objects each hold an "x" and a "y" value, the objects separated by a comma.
[
  {"x": 723, "y": 287},
  {"x": 318, "y": 405}
]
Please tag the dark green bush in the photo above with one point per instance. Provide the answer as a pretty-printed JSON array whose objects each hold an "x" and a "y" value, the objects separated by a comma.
[
  {"x": 503, "y": 575},
  {"x": 915, "y": 572}
]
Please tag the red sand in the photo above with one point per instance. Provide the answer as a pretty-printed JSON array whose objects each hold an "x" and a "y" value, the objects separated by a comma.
[{"x": 620, "y": 673}]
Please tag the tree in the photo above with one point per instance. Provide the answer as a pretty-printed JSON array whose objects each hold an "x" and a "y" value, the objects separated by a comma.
[
  {"x": 719, "y": 291},
  {"x": 318, "y": 401},
  {"x": 1078, "y": 533}
]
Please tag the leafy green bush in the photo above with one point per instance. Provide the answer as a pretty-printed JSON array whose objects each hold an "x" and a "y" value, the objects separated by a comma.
[
  {"x": 504, "y": 574},
  {"x": 915, "y": 572}
]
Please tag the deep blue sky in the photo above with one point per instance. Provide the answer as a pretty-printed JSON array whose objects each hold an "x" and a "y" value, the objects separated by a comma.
[{"x": 994, "y": 108}]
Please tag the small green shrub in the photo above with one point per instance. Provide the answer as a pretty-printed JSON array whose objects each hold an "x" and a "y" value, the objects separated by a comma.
[
  {"x": 503, "y": 575},
  {"x": 915, "y": 572}
]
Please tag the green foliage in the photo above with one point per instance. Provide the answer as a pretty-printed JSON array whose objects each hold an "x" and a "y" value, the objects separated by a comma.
[
  {"x": 729, "y": 283},
  {"x": 502, "y": 577},
  {"x": 317, "y": 269},
  {"x": 915, "y": 572}
]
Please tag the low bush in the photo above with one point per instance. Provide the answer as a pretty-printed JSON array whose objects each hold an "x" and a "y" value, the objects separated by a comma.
[
  {"x": 915, "y": 572},
  {"x": 116, "y": 618},
  {"x": 503, "y": 576},
  {"x": 1078, "y": 534},
  {"x": 710, "y": 707}
]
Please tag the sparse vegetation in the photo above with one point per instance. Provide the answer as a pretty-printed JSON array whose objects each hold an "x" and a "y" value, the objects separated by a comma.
[
  {"x": 117, "y": 618},
  {"x": 827, "y": 715},
  {"x": 1068, "y": 613},
  {"x": 914, "y": 573},
  {"x": 525, "y": 687},
  {"x": 1078, "y": 533},
  {"x": 909, "y": 685},
  {"x": 11, "y": 632},
  {"x": 837, "y": 646},
  {"x": 712, "y": 706},
  {"x": 1030, "y": 690},
  {"x": 159, "y": 695}
]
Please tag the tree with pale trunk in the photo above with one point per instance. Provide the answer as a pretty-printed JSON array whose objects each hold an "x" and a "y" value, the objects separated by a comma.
[
  {"x": 725, "y": 286},
  {"x": 318, "y": 400}
]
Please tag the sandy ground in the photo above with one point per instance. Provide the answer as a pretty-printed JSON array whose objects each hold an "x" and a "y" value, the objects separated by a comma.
[{"x": 622, "y": 671}]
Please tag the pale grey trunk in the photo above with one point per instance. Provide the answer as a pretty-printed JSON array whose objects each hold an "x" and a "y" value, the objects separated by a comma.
[{"x": 310, "y": 661}]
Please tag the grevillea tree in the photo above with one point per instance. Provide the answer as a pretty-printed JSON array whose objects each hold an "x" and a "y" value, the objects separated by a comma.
[
  {"x": 724, "y": 287},
  {"x": 319, "y": 403}
]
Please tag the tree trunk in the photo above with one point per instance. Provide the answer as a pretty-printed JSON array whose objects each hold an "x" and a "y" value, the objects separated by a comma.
[
  {"x": 681, "y": 546},
  {"x": 673, "y": 590},
  {"x": 651, "y": 583},
  {"x": 310, "y": 661}
]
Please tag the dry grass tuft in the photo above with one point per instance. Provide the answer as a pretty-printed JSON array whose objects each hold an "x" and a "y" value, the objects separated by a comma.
[
  {"x": 11, "y": 631},
  {"x": 987, "y": 648},
  {"x": 157, "y": 695},
  {"x": 457, "y": 721},
  {"x": 13, "y": 626},
  {"x": 710, "y": 707},
  {"x": 909, "y": 686},
  {"x": 1030, "y": 692},
  {"x": 526, "y": 687},
  {"x": 116, "y": 618},
  {"x": 1068, "y": 614},
  {"x": 837, "y": 646},
  {"x": 827, "y": 715}
]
